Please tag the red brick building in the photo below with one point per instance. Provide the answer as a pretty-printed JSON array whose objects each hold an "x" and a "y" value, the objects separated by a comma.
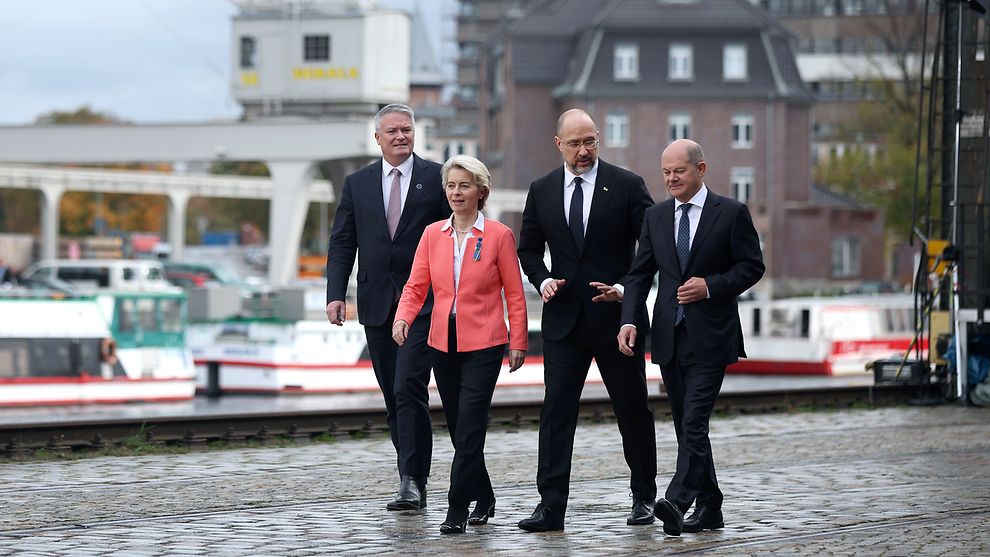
[{"x": 720, "y": 72}]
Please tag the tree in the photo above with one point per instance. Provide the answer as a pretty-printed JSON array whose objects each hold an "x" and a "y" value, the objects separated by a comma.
[{"x": 878, "y": 165}]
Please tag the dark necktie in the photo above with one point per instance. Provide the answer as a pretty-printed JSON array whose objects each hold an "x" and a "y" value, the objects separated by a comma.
[
  {"x": 683, "y": 250},
  {"x": 576, "y": 218}
]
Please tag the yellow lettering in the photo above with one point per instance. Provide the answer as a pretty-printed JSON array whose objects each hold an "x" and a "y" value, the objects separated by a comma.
[{"x": 333, "y": 72}]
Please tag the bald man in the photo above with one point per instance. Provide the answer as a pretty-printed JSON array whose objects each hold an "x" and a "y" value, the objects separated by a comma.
[
  {"x": 589, "y": 213},
  {"x": 707, "y": 252}
]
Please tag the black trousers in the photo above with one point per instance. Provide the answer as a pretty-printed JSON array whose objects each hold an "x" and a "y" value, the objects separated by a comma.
[
  {"x": 466, "y": 381},
  {"x": 403, "y": 374},
  {"x": 692, "y": 388},
  {"x": 566, "y": 364}
]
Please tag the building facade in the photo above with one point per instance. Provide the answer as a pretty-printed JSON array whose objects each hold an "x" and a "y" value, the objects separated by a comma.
[{"x": 720, "y": 72}]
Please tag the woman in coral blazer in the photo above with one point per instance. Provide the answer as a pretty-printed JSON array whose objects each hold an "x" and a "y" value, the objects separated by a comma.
[{"x": 469, "y": 261}]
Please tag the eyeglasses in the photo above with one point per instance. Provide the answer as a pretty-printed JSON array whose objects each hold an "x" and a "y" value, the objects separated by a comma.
[{"x": 588, "y": 144}]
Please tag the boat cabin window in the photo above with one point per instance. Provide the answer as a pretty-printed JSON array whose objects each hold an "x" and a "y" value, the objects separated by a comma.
[
  {"x": 49, "y": 357},
  {"x": 171, "y": 316},
  {"x": 756, "y": 322},
  {"x": 789, "y": 322}
]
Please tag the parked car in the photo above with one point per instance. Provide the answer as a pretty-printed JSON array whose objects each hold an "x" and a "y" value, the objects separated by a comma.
[
  {"x": 197, "y": 275},
  {"x": 104, "y": 274}
]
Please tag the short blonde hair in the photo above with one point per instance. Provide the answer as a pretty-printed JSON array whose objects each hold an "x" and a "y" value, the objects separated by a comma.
[{"x": 477, "y": 169}]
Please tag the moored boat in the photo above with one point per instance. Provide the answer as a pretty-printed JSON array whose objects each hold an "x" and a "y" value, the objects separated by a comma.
[{"x": 107, "y": 348}]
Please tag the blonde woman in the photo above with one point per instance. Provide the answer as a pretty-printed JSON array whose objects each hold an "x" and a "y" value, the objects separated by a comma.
[{"x": 469, "y": 261}]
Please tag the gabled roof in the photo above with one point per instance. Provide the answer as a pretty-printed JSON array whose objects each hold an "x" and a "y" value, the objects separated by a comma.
[{"x": 568, "y": 44}]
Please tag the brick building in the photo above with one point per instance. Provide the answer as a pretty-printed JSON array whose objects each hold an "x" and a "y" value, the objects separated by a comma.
[{"x": 720, "y": 72}]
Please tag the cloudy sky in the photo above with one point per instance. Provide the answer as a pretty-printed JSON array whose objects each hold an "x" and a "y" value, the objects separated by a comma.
[{"x": 142, "y": 60}]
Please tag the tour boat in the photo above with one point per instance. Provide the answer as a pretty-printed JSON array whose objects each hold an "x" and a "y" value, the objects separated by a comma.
[
  {"x": 796, "y": 336},
  {"x": 825, "y": 336},
  {"x": 106, "y": 348}
]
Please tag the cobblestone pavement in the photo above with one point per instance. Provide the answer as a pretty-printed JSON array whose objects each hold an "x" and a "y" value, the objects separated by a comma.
[{"x": 897, "y": 481}]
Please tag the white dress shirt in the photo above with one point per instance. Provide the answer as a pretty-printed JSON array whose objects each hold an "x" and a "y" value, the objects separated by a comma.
[
  {"x": 405, "y": 168},
  {"x": 448, "y": 227},
  {"x": 588, "y": 190},
  {"x": 694, "y": 215}
]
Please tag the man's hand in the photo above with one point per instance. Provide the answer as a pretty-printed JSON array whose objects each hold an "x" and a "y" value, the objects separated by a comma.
[
  {"x": 627, "y": 339},
  {"x": 516, "y": 359},
  {"x": 606, "y": 293},
  {"x": 400, "y": 330},
  {"x": 551, "y": 289},
  {"x": 694, "y": 290},
  {"x": 336, "y": 310}
]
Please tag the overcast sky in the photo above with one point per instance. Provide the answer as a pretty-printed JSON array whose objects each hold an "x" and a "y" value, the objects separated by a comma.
[{"x": 142, "y": 60}]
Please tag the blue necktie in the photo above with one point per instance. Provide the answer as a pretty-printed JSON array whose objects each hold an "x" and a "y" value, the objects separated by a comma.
[
  {"x": 683, "y": 250},
  {"x": 575, "y": 219}
]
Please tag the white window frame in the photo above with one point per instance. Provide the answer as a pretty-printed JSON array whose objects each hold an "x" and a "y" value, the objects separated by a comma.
[
  {"x": 742, "y": 131},
  {"x": 847, "y": 256},
  {"x": 741, "y": 179},
  {"x": 617, "y": 129},
  {"x": 680, "y": 62},
  {"x": 626, "y": 62},
  {"x": 735, "y": 64},
  {"x": 679, "y": 126}
]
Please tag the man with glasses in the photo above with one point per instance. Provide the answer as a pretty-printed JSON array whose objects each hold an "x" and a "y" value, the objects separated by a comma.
[{"x": 589, "y": 213}]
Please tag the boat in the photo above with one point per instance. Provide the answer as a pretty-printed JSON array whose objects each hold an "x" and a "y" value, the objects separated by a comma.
[
  {"x": 312, "y": 356},
  {"x": 796, "y": 336},
  {"x": 825, "y": 335},
  {"x": 104, "y": 348}
]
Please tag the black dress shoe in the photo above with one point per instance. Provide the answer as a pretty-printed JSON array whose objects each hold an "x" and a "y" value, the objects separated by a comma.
[
  {"x": 543, "y": 520},
  {"x": 481, "y": 513},
  {"x": 704, "y": 518},
  {"x": 409, "y": 498},
  {"x": 672, "y": 517},
  {"x": 642, "y": 511}
]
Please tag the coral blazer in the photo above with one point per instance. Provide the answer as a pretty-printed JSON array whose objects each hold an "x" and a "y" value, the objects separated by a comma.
[{"x": 480, "y": 310}]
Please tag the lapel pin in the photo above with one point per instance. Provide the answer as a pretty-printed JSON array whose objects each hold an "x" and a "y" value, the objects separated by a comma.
[
  {"x": 419, "y": 186},
  {"x": 605, "y": 188}
]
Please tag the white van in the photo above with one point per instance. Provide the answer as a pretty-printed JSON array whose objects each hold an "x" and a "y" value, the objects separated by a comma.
[{"x": 132, "y": 275}]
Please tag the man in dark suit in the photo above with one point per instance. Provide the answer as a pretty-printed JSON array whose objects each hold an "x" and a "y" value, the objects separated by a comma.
[
  {"x": 707, "y": 253},
  {"x": 589, "y": 213},
  {"x": 381, "y": 215}
]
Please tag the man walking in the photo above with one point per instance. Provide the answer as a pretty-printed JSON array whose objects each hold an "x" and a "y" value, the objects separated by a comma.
[
  {"x": 707, "y": 253},
  {"x": 589, "y": 213},
  {"x": 380, "y": 218}
]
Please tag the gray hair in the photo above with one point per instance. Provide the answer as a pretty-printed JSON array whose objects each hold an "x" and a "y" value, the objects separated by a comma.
[
  {"x": 394, "y": 107},
  {"x": 695, "y": 154},
  {"x": 477, "y": 169}
]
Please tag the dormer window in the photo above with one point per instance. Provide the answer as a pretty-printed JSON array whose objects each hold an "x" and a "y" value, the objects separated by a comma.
[
  {"x": 681, "y": 62},
  {"x": 734, "y": 63},
  {"x": 626, "y": 62}
]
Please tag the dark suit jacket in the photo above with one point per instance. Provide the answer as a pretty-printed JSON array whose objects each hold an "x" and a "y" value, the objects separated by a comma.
[
  {"x": 725, "y": 252},
  {"x": 617, "y": 208},
  {"x": 359, "y": 227}
]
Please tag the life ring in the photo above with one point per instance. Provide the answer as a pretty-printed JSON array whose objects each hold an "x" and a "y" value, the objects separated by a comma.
[{"x": 108, "y": 351}]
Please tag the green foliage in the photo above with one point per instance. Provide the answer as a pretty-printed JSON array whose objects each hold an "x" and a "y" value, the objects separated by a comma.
[{"x": 882, "y": 176}]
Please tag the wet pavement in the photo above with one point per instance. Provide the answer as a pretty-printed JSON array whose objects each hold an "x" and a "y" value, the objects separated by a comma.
[
  {"x": 900, "y": 481},
  {"x": 249, "y": 404}
]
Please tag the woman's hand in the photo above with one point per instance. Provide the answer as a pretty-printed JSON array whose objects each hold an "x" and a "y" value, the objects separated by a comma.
[
  {"x": 516, "y": 359},
  {"x": 400, "y": 330}
]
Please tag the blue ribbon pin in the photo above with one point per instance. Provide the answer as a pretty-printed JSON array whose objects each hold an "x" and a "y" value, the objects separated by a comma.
[{"x": 477, "y": 250}]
